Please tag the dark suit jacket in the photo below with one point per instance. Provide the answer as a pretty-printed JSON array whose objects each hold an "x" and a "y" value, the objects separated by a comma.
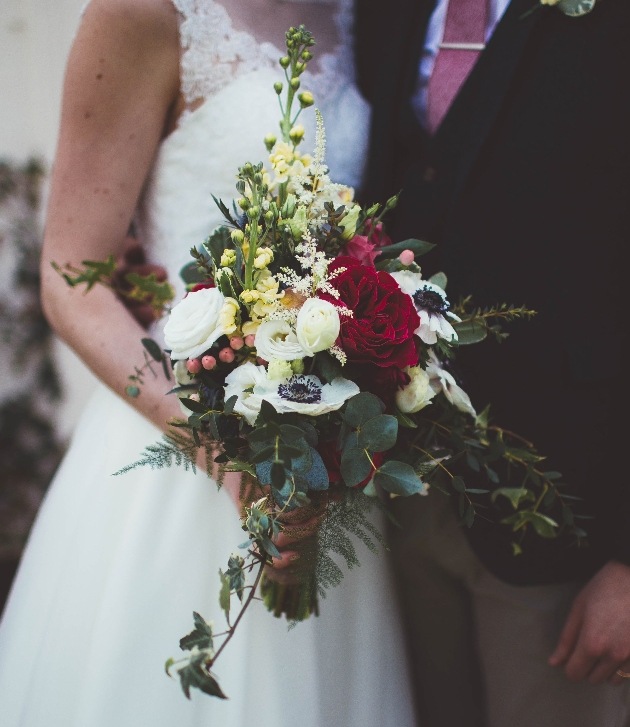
[{"x": 526, "y": 190}]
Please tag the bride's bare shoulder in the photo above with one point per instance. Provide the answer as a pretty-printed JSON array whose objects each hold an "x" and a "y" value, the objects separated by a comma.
[{"x": 146, "y": 18}]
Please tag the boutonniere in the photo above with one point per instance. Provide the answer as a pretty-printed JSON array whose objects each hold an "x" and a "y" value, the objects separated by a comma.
[{"x": 572, "y": 8}]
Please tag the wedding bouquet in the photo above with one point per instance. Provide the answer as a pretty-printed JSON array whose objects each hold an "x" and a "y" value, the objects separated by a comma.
[{"x": 311, "y": 354}]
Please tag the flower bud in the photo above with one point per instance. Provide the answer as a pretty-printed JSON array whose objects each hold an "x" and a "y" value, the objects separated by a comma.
[
  {"x": 299, "y": 68},
  {"x": 306, "y": 99},
  {"x": 243, "y": 203},
  {"x": 277, "y": 86},
  {"x": 306, "y": 55},
  {"x": 270, "y": 141},
  {"x": 237, "y": 236},
  {"x": 294, "y": 83},
  {"x": 296, "y": 134},
  {"x": 284, "y": 62}
]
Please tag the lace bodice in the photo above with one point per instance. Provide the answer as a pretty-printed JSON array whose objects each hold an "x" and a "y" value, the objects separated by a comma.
[
  {"x": 214, "y": 53},
  {"x": 227, "y": 80}
]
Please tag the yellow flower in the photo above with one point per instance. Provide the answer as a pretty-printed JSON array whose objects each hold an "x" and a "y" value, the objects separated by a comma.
[
  {"x": 228, "y": 258},
  {"x": 228, "y": 317},
  {"x": 249, "y": 296}
]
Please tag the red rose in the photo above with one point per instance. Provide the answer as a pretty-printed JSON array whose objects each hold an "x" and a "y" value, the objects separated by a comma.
[
  {"x": 380, "y": 331},
  {"x": 202, "y": 286}
]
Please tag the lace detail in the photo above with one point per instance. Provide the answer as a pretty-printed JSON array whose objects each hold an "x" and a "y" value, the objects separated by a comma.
[{"x": 214, "y": 53}]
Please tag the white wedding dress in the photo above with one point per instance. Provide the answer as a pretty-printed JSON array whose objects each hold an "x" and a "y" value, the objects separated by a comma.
[{"x": 115, "y": 566}]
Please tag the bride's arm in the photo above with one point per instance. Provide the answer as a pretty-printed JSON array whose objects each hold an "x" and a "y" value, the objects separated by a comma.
[{"x": 121, "y": 86}]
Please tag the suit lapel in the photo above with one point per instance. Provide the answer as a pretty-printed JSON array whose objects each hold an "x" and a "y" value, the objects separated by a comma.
[
  {"x": 469, "y": 121},
  {"x": 388, "y": 44}
]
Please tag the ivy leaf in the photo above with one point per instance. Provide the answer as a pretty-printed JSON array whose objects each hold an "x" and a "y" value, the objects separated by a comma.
[
  {"x": 194, "y": 675},
  {"x": 398, "y": 478},
  {"x": 201, "y": 636},
  {"x": 224, "y": 593}
]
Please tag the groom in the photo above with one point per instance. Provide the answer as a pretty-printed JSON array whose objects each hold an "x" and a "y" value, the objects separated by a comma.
[{"x": 513, "y": 153}]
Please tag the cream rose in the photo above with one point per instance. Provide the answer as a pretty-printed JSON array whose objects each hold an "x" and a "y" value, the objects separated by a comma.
[
  {"x": 418, "y": 392},
  {"x": 317, "y": 326},
  {"x": 276, "y": 339},
  {"x": 194, "y": 324}
]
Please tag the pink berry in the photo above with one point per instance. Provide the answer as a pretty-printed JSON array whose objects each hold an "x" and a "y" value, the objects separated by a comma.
[
  {"x": 237, "y": 343},
  {"x": 193, "y": 365},
  {"x": 226, "y": 355},
  {"x": 406, "y": 257},
  {"x": 208, "y": 362},
  {"x": 249, "y": 340}
]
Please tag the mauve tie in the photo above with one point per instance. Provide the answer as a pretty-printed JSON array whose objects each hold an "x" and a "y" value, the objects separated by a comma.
[{"x": 463, "y": 40}]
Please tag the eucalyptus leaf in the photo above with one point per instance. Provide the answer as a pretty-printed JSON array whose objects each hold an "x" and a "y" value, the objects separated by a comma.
[
  {"x": 195, "y": 406},
  {"x": 355, "y": 466},
  {"x": 418, "y": 247},
  {"x": 576, "y": 8},
  {"x": 398, "y": 478},
  {"x": 516, "y": 495},
  {"x": 379, "y": 434},
  {"x": 439, "y": 279},
  {"x": 469, "y": 332},
  {"x": 361, "y": 408}
]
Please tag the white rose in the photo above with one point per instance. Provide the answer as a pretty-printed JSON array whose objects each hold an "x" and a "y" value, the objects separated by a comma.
[
  {"x": 194, "y": 324},
  {"x": 317, "y": 326},
  {"x": 276, "y": 339},
  {"x": 418, "y": 392}
]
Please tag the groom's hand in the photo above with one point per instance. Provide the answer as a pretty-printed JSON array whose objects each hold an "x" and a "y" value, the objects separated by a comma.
[{"x": 595, "y": 640}]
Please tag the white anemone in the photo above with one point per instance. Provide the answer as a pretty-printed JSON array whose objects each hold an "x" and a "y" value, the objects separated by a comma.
[
  {"x": 432, "y": 306},
  {"x": 443, "y": 381},
  {"x": 240, "y": 383},
  {"x": 306, "y": 394}
]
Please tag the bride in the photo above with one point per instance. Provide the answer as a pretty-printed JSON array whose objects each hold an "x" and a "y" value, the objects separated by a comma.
[{"x": 162, "y": 101}]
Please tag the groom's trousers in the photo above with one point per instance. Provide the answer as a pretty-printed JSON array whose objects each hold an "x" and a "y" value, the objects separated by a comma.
[{"x": 478, "y": 646}]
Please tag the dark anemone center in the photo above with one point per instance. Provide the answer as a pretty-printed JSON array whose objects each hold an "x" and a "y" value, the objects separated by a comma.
[
  {"x": 431, "y": 301},
  {"x": 301, "y": 390}
]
